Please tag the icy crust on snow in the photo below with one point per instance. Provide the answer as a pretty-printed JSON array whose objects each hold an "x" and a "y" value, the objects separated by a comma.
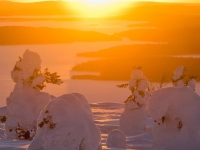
[
  {"x": 176, "y": 112},
  {"x": 116, "y": 139},
  {"x": 74, "y": 127}
]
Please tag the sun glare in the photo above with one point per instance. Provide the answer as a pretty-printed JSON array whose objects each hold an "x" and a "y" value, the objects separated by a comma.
[
  {"x": 97, "y": 8},
  {"x": 98, "y": 2}
]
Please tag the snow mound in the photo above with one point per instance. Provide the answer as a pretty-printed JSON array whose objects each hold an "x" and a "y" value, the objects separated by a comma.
[
  {"x": 67, "y": 123},
  {"x": 116, "y": 139},
  {"x": 176, "y": 113}
]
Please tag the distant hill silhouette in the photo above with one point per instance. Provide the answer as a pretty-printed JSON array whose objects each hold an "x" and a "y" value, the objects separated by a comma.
[
  {"x": 172, "y": 35},
  {"x": 172, "y": 22},
  {"x": 8, "y": 8},
  {"x": 143, "y": 50},
  {"x": 120, "y": 68},
  {"x": 155, "y": 11},
  {"x": 177, "y": 25},
  {"x": 15, "y": 35}
]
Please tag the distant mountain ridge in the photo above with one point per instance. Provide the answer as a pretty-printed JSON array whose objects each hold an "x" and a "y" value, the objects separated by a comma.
[
  {"x": 8, "y": 8},
  {"x": 17, "y": 35}
]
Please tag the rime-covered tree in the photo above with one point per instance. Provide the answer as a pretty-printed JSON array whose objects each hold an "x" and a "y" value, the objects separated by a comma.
[
  {"x": 176, "y": 113},
  {"x": 133, "y": 120},
  {"x": 26, "y": 100}
]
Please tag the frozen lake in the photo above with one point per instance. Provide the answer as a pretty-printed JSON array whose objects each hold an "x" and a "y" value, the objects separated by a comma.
[{"x": 61, "y": 58}]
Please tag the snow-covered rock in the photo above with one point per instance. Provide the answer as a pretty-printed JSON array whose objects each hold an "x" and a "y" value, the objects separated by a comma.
[
  {"x": 116, "y": 139},
  {"x": 176, "y": 113},
  {"x": 67, "y": 123}
]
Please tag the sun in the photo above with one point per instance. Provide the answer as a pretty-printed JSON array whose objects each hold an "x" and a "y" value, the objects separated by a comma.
[
  {"x": 97, "y": 8},
  {"x": 97, "y": 2}
]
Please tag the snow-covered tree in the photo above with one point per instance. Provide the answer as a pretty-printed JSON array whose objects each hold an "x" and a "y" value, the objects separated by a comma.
[
  {"x": 133, "y": 120},
  {"x": 26, "y": 100},
  {"x": 176, "y": 113},
  {"x": 67, "y": 123},
  {"x": 178, "y": 78}
]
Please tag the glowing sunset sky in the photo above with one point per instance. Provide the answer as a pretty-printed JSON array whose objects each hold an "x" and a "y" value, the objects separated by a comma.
[{"x": 175, "y": 1}]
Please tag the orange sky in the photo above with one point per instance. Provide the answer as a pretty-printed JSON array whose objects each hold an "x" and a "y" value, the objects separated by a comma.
[{"x": 181, "y": 1}]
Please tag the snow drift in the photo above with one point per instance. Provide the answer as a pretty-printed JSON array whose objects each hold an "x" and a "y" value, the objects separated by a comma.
[
  {"x": 116, "y": 139},
  {"x": 67, "y": 123}
]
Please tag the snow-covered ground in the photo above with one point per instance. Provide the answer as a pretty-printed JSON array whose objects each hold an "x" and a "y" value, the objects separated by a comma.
[{"x": 106, "y": 116}]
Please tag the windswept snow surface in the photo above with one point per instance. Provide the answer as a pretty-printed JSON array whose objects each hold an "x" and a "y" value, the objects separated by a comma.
[{"x": 106, "y": 117}]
